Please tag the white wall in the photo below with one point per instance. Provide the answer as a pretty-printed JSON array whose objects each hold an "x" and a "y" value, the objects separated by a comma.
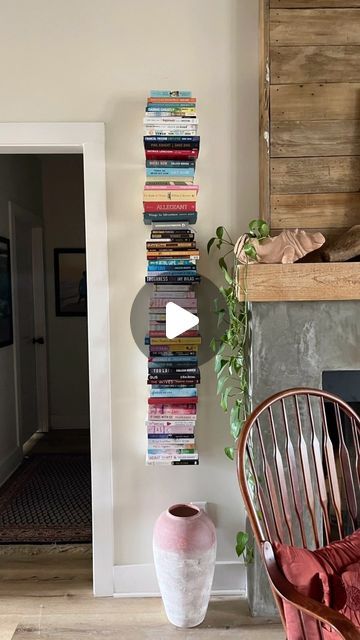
[
  {"x": 20, "y": 181},
  {"x": 64, "y": 227},
  {"x": 80, "y": 60}
]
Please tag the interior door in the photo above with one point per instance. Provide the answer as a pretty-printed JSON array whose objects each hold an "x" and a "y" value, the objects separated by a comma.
[{"x": 29, "y": 342}]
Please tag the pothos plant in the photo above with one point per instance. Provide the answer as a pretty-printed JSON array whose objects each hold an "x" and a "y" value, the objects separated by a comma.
[{"x": 231, "y": 348}]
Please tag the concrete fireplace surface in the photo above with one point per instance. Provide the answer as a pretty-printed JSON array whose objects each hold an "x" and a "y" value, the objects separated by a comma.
[{"x": 293, "y": 343}]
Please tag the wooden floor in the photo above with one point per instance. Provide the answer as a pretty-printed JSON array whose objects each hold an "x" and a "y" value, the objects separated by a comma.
[
  {"x": 46, "y": 591},
  {"x": 45, "y": 594}
]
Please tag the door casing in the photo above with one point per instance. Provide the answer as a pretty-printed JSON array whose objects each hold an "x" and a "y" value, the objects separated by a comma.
[{"x": 87, "y": 139}]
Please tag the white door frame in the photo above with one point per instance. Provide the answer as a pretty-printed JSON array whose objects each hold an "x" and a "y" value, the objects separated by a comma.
[
  {"x": 89, "y": 140},
  {"x": 18, "y": 212}
]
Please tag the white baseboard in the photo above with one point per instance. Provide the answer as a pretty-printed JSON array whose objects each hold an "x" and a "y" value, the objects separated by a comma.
[
  {"x": 10, "y": 464},
  {"x": 69, "y": 422},
  {"x": 139, "y": 580}
]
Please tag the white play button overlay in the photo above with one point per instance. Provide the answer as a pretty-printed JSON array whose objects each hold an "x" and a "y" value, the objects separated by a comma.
[{"x": 178, "y": 320}]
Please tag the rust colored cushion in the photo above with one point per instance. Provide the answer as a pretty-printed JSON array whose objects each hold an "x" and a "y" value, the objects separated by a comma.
[
  {"x": 330, "y": 575},
  {"x": 307, "y": 574}
]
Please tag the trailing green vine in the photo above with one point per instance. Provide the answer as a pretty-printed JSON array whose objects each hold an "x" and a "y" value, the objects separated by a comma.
[{"x": 231, "y": 348}]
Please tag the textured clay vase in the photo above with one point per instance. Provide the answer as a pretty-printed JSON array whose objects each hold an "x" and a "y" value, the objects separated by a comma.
[{"x": 184, "y": 547}]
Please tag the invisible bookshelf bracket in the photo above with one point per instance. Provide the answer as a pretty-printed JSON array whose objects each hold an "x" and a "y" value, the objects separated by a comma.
[{"x": 172, "y": 145}]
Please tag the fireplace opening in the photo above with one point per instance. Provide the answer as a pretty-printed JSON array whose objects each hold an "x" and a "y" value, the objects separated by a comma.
[{"x": 346, "y": 385}]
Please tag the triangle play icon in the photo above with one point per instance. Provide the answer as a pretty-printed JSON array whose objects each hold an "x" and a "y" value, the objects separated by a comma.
[{"x": 178, "y": 320}]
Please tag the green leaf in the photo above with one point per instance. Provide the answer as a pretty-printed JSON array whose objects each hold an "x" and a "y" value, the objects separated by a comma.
[
  {"x": 227, "y": 276},
  {"x": 220, "y": 384},
  {"x": 212, "y": 345},
  {"x": 220, "y": 232},
  {"x": 242, "y": 539},
  {"x": 222, "y": 264},
  {"x": 249, "y": 554},
  {"x": 250, "y": 250},
  {"x": 220, "y": 363},
  {"x": 235, "y": 429},
  {"x": 264, "y": 230},
  {"x": 210, "y": 244},
  {"x": 224, "y": 398},
  {"x": 229, "y": 452}
]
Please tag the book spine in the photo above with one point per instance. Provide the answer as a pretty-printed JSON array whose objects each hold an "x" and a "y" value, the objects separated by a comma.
[
  {"x": 171, "y": 163},
  {"x": 170, "y": 245},
  {"x": 170, "y": 207},
  {"x": 172, "y": 100},
  {"x": 188, "y": 303},
  {"x": 163, "y": 131},
  {"x": 172, "y": 279},
  {"x": 171, "y": 145},
  {"x": 152, "y": 154},
  {"x": 151, "y": 217},
  {"x": 171, "y": 110},
  {"x": 169, "y": 172},
  {"x": 168, "y": 393},
  {"x": 169, "y": 94}
]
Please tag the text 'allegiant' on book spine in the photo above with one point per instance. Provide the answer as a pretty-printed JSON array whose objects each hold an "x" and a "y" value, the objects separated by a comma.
[{"x": 171, "y": 144}]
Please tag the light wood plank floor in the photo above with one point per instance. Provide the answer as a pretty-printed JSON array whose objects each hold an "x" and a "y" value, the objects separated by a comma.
[{"x": 45, "y": 594}]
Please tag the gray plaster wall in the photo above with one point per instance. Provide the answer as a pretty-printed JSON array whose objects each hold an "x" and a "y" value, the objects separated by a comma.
[{"x": 292, "y": 344}]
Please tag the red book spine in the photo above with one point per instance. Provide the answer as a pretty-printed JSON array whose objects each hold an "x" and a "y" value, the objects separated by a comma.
[
  {"x": 169, "y": 206},
  {"x": 171, "y": 154},
  {"x": 173, "y": 400}
]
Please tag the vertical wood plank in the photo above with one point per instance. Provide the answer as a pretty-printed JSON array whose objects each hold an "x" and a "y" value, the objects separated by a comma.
[{"x": 264, "y": 111}]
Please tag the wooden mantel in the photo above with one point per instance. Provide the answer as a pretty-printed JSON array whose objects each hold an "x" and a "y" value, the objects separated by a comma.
[{"x": 300, "y": 282}]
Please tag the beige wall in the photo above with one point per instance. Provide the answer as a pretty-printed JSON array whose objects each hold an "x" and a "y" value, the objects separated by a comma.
[
  {"x": 64, "y": 227},
  {"x": 86, "y": 61},
  {"x": 20, "y": 182}
]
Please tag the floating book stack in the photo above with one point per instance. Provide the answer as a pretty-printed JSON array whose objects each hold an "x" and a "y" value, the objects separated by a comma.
[{"x": 171, "y": 148}]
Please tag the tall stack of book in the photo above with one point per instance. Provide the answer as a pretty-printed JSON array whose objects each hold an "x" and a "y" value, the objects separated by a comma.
[{"x": 171, "y": 148}]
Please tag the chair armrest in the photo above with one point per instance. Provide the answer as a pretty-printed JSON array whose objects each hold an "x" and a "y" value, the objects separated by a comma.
[{"x": 287, "y": 592}]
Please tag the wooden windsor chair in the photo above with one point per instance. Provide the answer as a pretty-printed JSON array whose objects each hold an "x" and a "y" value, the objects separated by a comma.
[{"x": 298, "y": 464}]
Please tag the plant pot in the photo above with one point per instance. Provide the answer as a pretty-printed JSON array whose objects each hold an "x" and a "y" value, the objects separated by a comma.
[{"x": 184, "y": 546}]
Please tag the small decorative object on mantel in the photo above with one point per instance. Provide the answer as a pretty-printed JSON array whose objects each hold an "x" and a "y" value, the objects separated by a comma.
[
  {"x": 184, "y": 546},
  {"x": 343, "y": 248},
  {"x": 285, "y": 248}
]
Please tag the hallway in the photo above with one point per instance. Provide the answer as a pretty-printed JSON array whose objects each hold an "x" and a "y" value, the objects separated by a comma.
[{"x": 48, "y": 499}]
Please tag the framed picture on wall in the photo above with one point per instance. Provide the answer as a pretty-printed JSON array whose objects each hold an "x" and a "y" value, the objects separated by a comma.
[
  {"x": 70, "y": 282},
  {"x": 6, "y": 320}
]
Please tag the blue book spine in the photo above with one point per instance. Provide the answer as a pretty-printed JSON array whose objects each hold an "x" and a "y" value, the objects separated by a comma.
[
  {"x": 170, "y": 217},
  {"x": 172, "y": 273},
  {"x": 170, "y": 94},
  {"x": 178, "y": 392},
  {"x": 164, "y": 171},
  {"x": 172, "y": 267}
]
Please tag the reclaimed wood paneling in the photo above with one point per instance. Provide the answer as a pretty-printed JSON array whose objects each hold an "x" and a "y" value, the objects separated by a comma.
[
  {"x": 264, "y": 113},
  {"x": 321, "y": 281},
  {"x": 297, "y": 65},
  {"x": 315, "y": 138},
  {"x": 315, "y": 210},
  {"x": 338, "y": 101},
  {"x": 315, "y": 175},
  {"x": 313, "y": 4},
  {"x": 314, "y": 27}
]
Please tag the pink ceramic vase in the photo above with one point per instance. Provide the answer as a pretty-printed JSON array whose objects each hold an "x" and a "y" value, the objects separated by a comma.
[{"x": 184, "y": 546}]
